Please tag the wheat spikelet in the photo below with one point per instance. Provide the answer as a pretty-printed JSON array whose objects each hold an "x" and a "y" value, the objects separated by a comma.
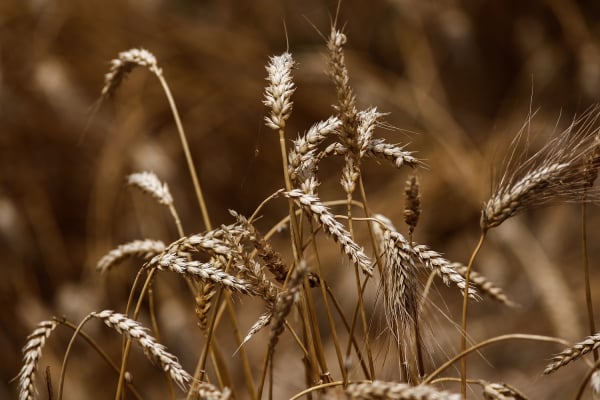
[
  {"x": 302, "y": 157},
  {"x": 153, "y": 350},
  {"x": 501, "y": 391},
  {"x": 399, "y": 282},
  {"x": 279, "y": 91},
  {"x": 561, "y": 171},
  {"x": 412, "y": 207},
  {"x": 338, "y": 71},
  {"x": 149, "y": 183},
  {"x": 263, "y": 320},
  {"x": 313, "y": 206},
  {"x": 430, "y": 259},
  {"x": 378, "y": 390},
  {"x": 121, "y": 66},
  {"x": 574, "y": 352},
  {"x": 32, "y": 352},
  {"x": 205, "y": 294},
  {"x": 483, "y": 285},
  {"x": 140, "y": 248},
  {"x": 204, "y": 271},
  {"x": 206, "y": 391}
]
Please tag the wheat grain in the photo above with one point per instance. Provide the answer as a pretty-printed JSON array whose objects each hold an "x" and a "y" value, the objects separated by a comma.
[
  {"x": 378, "y": 390},
  {"x": 279, "y": 90},
  {"x": 121, "y": 66},
  {"x": 149, "y": 183},
  {"x": 412, "y": 207},
  {"x": 32, "y": 352},
  {"x": 206, "y": 391},
  {"x": 153, "y": 350},
  {"x": 140, "y": 248},
  {"x": 574, "y": 352},
  {"x": 313, "y": 206},
  {"x": 501, "y": 391}
]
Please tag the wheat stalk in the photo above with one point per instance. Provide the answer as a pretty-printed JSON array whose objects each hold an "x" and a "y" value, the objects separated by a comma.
[
  {"x": 153, "y": 350},
  {"x": 32, "y": 352}
]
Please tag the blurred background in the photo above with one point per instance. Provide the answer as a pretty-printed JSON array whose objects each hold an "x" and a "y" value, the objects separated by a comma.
[{"x": 458, "y": 78}]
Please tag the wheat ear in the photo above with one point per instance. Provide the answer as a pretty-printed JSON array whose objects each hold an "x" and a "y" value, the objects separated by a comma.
[
  {"x": 313, "y": 206},
  {"x": 32, "y": 352},
  {"x": 153, "y": 350},
  {"x": 206, "y": 391},
  {"x": 378, "y": 390},
  {"x": 573, "y": 353},
  {"x": 501, "y": 391},
  {"x": 145, "y": 249}
]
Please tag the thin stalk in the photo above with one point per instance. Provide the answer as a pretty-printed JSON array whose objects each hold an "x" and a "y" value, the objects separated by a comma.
[
  {"x": 156, "y": 332},
  {"x": 63, "y": 369},
  {"x": 360, "y": 307},
  {"x": 347, "y": 325},
  {"x": 127, "y": 347},
  {"x": 463, "y": 333},
  {"x": 332, "y": 328},
  {"x": 585, "y": 380},
  {"x": 186, "y": 151},
  {"x": 101, "y": 352},
  {"x": 487, "y": 342},
  {"x": 323, "y": 386},
  {"x": 586, "y": 272}
]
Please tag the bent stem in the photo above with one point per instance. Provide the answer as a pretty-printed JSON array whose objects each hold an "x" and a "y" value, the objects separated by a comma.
[
  {"x": 463, "y": 336},
  {"x": 586, "y": 272},
  {"x": 186, "y": 150},
  {"x": 487, "y": 342},
  {"x": 67, "y": 352}
]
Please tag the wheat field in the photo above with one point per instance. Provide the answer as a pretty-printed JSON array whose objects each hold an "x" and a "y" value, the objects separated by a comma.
[{"x": 286, "y": 200}]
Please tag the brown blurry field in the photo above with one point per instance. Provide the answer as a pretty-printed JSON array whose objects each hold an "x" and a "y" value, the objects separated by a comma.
[{"x": 458, "y": 78}]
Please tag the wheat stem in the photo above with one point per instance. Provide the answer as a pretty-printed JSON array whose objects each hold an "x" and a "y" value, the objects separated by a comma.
[
  {"x": 487, "y": 342},
  {"x": 63, "y": 369},
  {"x": 586, "y": 273},
  {"x": 463, "y": 333}
]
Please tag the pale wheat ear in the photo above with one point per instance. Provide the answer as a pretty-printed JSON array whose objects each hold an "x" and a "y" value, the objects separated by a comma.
[
  {"x": 573, "y": 353},
  {"x": 393, "y": 390},
  {"x": 145, "y": 249},
  {"x": 32, "y": 352},
  {"x": 153, "y": 350},
  {"x": 278, "y": 92},
  {"x": 126, "y": 62}
]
